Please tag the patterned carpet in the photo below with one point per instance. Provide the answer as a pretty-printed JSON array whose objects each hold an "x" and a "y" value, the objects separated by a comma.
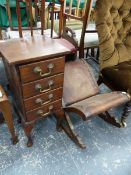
[{"x": 108, "y": 149}]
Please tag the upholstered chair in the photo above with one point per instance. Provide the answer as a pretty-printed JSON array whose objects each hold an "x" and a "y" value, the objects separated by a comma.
[{"x": 113, "y": 23}]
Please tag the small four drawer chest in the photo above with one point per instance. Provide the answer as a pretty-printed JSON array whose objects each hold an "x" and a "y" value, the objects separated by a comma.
[{"x": 35, "y": 69}]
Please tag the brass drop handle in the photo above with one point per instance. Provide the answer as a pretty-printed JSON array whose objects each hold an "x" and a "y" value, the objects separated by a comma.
[
  {"x": 42, "y": 114},
  {"x": 40, "y": 88},
  {"x": 38, "y": 70},
  {"x": 39, "y": 100}
]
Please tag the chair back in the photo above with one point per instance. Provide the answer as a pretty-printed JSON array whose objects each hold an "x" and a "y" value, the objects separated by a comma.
[
  {"x": 77, "y": 21},
  {"x": 35, "y": 12},
  {"x": 56, "y": 15},
  {"x": 76, "y": 8},
  {"x": 29, "y": 10},
  {"x": 113, "y": 23},
  {"x": 79, "y": 82}
]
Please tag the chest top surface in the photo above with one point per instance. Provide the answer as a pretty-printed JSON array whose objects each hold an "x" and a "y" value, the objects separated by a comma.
[{"x": 23, "y": 50}]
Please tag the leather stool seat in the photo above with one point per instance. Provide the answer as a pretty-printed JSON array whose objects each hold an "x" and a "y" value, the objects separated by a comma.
[{"x": 101, "y": 102}]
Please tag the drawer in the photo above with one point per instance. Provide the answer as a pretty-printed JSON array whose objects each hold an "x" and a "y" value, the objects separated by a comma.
[
  {"x": 41, "y": 100},
  {"x": 42, "y": 86},
  {"x": 42, "y": 69},
  {"x": 44, "y": 111}
]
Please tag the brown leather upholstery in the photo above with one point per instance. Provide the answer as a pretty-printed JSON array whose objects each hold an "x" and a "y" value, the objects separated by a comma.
[
  {"x": 81, "y": 92},
  {"x": 99, "y": 103},
  {"x": 79, "y": 82}
]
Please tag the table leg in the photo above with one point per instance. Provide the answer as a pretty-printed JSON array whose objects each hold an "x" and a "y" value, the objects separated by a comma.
[{"x": 6, "y": 110}]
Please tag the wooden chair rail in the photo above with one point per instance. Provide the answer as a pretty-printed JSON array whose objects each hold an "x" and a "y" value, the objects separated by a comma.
[{"x": 73, "y": 16}]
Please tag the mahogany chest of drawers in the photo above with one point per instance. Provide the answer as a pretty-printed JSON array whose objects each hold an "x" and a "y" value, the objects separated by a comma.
[{"x": 35, "y": 69}]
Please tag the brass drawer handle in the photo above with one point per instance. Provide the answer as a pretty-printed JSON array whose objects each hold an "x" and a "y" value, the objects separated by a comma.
[
  {"x": 39, "y": 100},
  {"x": 42, "y": 114},
  {"x": 39, "y": 70},
  {"x": 40, "y": 88}
]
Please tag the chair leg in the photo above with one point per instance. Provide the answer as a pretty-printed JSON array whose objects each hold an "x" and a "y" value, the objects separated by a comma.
[
  {"x": 97, "y": 55},
  {"x": 69, "y": 130},
  {"x": 92, "y": 52},
  {"x": 126, "y": 112},
  {"x": 87, "y": 52},
  {"x": 110, "y": 119},
  {"x": 6, "y": 110}
]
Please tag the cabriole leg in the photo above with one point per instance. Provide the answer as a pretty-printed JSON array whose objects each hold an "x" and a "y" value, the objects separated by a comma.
[{"x": 27, "y": 129}]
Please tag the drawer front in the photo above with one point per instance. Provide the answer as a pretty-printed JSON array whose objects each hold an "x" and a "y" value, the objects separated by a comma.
[
  {"x": 44, "y": 111},
  {"x": 41, "y": 100},
  {"x": 42, "y": 86},
  {"x": 42, "y": 69}
]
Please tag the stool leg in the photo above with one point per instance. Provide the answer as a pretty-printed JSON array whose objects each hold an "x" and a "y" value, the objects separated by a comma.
[
  {"x": 6, "y": 110},
  {"x": 64, "y": 122}
]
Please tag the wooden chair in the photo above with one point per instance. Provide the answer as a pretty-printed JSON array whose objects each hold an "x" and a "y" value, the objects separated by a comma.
[
  {"x": 33, "y": 29},
  {"x": 59, "y": 23},
  {"x": 76, "y": 28},
  {"x": 82, "y": 96},
  {"x": 36, "y": 19},
  {"x": 115, "y": 44},
  {"x": 5, "y": 108}
]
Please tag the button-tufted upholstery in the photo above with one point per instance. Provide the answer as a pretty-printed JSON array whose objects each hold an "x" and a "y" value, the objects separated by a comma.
[{"x": 113, "y": 22}]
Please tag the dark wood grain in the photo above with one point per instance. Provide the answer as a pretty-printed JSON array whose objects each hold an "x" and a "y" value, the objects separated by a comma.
[
  {"x": 20, "y": 57},
  {"x": 35, "y": 48},
  {"x": 31, "y": 104},
  {"x": 32, "y": 115},
  {"x": 30, "y": 90},
  {"x": 19, "y": 18},
  {"x": 27, "y": 71}
]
